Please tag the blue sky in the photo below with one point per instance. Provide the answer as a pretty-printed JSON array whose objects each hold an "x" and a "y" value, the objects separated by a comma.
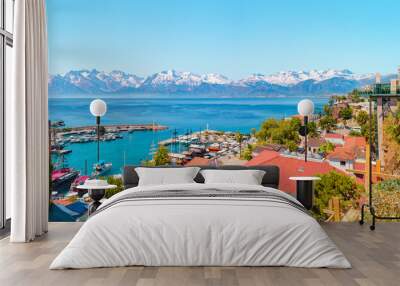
[{"x": 235, "y": 38}]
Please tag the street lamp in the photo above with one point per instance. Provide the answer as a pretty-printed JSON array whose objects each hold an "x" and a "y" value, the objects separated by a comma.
[
  {"x": 98, "y": 108},
  {"x": 305, "y": 108}
]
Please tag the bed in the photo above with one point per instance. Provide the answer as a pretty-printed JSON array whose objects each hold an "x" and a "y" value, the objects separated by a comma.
[{"x": 198, "y": 224}]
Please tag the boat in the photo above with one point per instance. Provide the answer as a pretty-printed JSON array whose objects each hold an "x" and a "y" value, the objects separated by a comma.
[
  {"x": 101, "y": 168},
  {"x": 62, "y": 178},
  {"x": 58, "y": 123},
  {"x": 214, "y": 147},
  {"x": 198, "y": 149},
  {"x": 64, "y": 151}
]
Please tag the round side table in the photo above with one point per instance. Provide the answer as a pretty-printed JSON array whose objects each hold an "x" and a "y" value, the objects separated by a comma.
[
  {"x": 305, "y": 190},
  {"x": 96, "y": 193}
]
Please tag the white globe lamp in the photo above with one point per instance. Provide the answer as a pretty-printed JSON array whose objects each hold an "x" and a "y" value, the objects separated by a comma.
[
  {"x": 98, "y": 108},
  {"x": 305, "y": 108}
]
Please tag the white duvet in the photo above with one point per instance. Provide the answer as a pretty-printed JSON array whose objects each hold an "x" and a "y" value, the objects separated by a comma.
[{"x": 200, "y": 231}]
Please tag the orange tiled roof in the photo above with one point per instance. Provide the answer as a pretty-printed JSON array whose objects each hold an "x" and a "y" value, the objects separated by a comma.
[
  {"x": 333, "y": 136},
  {"x": 355, "y": 141},
  {"x": 342, "y": 154},
  {"x": 291, "y": 167},
  {"x": 264, "y": 156}
]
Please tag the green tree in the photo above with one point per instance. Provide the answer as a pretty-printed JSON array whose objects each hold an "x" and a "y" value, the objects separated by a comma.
[
  {"x": 393, "y": 129},
  {"x": 365, "y": 129},
  {"x": 239, "y": 139},
  {"x": 247, "y": 154},
  {"x": 265, "y": 132},
  {"x": 326, "y": 147},
  {"x": 327, "y": 123},
  {"x": 346, "y": 113},
  {"x": 287, "y": 133},
  {"x": 291, "y": 146},
  {"x": 334, "y": 184},
  {"x": 161, "y": 157},
  {"x": 327, "y": 109},
  {"x": 312, "y": 129},
  {"x": 283, "y": 132},
  {"x": 362, "y": 118}
]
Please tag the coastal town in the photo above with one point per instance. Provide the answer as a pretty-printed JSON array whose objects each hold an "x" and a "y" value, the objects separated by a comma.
[{"x": 337, "y": 150}]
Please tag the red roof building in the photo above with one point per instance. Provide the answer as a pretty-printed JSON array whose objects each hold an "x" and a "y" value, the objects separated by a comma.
[
  {"x": 345, "y": 157},
  {"x": 291, "y": 167},
  {"x": 313, "y": 144},
  {"x": 361, "y": 168},
  {"x": 334, "y": 138},
  {"x": 342, "y": 154},
  {"x": 355, "y": 141}
]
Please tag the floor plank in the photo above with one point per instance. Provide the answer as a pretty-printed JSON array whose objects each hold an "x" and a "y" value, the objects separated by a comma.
[{"x": 375, "y": 257}]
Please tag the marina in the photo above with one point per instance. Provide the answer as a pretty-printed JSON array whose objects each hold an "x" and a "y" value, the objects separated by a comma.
[
  {"x": 65, "y": 179},
  {"x": 85, "y": 134},
  {"x": 190, "y": 135},
  {"x": 207, "y": 144}
]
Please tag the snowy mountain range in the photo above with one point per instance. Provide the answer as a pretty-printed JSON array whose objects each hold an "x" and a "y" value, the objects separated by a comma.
[{"x": 314, "y": 82}]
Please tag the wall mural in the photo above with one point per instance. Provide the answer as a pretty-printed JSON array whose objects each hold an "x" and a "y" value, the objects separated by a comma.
[{"x": 182, "y": 102}]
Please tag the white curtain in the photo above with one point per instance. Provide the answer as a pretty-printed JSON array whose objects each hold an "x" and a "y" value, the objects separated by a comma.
[{"x": 27, "y": 146}]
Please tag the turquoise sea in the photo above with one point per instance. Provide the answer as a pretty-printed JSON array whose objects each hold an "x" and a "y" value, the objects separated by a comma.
[{"x": 180, "y": 112}]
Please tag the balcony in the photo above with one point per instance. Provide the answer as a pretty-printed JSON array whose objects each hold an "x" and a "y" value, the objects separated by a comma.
[{"x": 380, "y": 89}]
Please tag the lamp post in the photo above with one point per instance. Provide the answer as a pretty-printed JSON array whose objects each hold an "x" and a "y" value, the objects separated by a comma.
[
  {"x": 98, "y": 108},
  {"x": 305, "y": 108}
]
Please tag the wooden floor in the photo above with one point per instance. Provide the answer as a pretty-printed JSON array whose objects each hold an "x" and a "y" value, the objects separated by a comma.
[{"x": 375, "y": 257}]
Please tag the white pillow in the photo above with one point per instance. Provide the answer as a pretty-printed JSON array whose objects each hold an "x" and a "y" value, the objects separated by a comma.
[
  {"x": 248, "y": 177},
  {"x": 166, "y": 176}
]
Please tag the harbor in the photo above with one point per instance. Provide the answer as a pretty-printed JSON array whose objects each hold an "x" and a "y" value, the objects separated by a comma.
[
  {"x": 211, "y": 145},
  {"x": 188, "y": 135},
  {"x": 66, "y": 176},
  {"x": 61, "y": 135}
]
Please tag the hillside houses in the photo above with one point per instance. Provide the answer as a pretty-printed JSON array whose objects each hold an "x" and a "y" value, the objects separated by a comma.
[{"x": 348, "y": 157}]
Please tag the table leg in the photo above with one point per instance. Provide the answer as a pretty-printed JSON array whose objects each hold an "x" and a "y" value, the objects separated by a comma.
[
  {"x": 305, "y": 193},
  {"x": 96, "y": 196}
]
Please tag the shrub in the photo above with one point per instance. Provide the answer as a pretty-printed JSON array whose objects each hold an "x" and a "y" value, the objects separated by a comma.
[
  {"x": 247, "y": 154},
  {"x": 386, "y": 198},
  {"x": 114, "y": 181},
  {"x": 334, "y": 184},
  {"x": 326, "y": 147},
  {"x": 161, "y": 157},
  {"x": 355, "y": 133}
]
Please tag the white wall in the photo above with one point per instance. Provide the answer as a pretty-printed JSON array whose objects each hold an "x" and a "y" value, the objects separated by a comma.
[{"x": 347, "y": 166}]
